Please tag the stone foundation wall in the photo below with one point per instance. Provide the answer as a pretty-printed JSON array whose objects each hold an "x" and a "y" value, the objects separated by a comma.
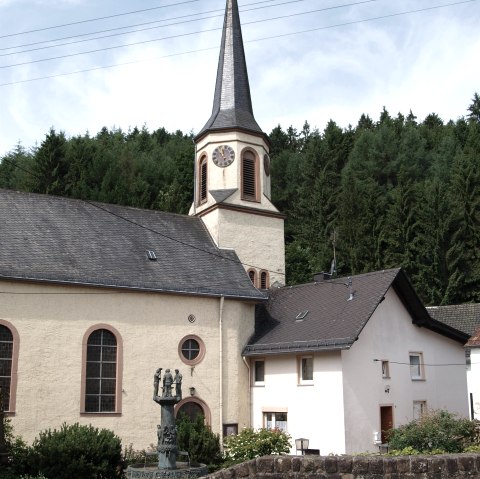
[{"x": 353, "y": 467}]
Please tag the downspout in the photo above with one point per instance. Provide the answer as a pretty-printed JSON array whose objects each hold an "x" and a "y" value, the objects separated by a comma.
[
  {"x": 195, "y": 186},
  {"x": 249, "y": 391},
  {"x": 220, "y": 349}
]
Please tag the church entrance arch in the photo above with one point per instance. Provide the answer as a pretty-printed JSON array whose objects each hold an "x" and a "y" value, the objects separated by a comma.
[{"x": 192, "y": 408}]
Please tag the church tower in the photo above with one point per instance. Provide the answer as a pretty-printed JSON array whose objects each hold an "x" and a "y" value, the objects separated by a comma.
[{"x": 232, "y": 169}]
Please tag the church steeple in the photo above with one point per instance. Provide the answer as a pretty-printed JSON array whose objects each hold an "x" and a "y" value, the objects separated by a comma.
[
  {"x": 232, "y": 104},
  {"x": 232, "y": 168}
]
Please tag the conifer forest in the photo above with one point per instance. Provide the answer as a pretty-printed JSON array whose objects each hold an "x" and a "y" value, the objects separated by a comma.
[{"x": 384, "y": 193}]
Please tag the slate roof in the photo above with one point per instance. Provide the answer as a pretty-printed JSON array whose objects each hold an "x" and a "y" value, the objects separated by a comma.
[
  {"x": 464, "y": 317},
  {"x": 333, "y": 321},
  {"x": 53, "y": 239},
  {"x": 232, "y": 104}
]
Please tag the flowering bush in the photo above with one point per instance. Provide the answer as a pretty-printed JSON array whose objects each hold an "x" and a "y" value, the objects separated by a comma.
[{"x": 250, "y": 443}]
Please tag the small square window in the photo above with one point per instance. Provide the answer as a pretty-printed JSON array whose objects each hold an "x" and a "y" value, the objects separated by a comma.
[
  {"x": 230, "y": 429},
  {"x": 259, "y": 371},
  {"x": 385, "y": 369},
  {"x": 306, "y": 369},
  {"x": 275, "y": 420},
  {"x": 419, "y": 409},
  {"x": 416, "y": 366}
]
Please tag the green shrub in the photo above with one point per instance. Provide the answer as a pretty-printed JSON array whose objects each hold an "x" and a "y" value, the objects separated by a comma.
[
  {"x": 250, "y": 443},
  {"x": 77, "y": 451},
  {"x": 198, "y": 440},
  {"x": 435, "y": 431}
]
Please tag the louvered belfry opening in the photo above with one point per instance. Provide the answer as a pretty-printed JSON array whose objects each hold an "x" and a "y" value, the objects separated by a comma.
[
  {"x": 263, "y": 280},
  {"x": 249, "y": 184},
  {"x": 203, "y": 180}
]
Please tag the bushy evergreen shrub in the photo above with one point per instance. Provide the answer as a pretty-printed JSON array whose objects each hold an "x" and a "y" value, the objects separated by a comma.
[
  {"x": 436, "y": 431},
  {"x": 198, "y": 440},
  {"x": 77, "y": 451},
  {"x": 250, "y": 443}
]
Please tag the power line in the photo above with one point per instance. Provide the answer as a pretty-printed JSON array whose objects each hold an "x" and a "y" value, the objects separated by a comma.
[
  {"x": 143, "y": 42},
  {"x": 96, "y": 19},
  {"x": 136, "y": 25},
  {"x": 101, "y": 67}
]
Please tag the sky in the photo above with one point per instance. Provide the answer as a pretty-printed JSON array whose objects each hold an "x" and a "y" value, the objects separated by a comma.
[{"x": 308, "y": 60}]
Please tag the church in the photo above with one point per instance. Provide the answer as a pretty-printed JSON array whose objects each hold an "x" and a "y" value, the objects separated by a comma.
[{"x": 96, "y": 297}]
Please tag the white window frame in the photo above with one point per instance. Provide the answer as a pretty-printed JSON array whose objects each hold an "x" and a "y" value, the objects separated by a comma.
[
  {"x": 417, "y": 371},
  {"x": 385, "y": 369},
  {"x": 301, "y": 361},
  {"x": 419, "y": 409},
  {"x": 275, "y": 421}
]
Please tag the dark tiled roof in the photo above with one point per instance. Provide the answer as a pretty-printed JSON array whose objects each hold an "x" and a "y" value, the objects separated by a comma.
[
  {"x": 464, "y": 317},
  {"x": 232, "y": 104},
  {"x": 333, "y": 321},
  {"x": 54, "y": 239}
]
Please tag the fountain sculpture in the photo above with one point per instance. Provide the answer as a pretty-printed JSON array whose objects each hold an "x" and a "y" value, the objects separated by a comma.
[{"x": 167, "y": 450}]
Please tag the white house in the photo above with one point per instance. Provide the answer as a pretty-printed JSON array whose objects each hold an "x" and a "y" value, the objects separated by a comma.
[
  {"x": 341, "y": 361},
  {"x": 465, "y": 318}
]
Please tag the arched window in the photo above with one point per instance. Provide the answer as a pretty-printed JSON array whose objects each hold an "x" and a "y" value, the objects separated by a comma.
[
  {"x": 102, "y": 371},
  {"x": 264, "y": 280},
  {"x": 193, "y": 407},
  {"x": 202, "y": 180},
  {"x": 9, "y": 341},
  {"x": 249, "y": 176},
  {"x": 252, "y": 274}
]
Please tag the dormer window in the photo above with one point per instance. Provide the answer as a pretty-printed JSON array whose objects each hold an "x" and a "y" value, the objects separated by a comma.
[{"x": 249, "y": 176}]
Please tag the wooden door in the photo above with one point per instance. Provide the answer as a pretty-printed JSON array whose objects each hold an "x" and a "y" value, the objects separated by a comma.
[{"x": 386, "y": 422}]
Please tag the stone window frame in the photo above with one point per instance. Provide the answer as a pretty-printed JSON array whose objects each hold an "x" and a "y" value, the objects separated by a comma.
[
  {"x": 202, "y": 179},
  {"x": 201, "y": 403},
  {"x": 12, "y": 401},
  {"x": 253, "y": 181},
  {"x": 252, "y": 274},
  {"x": 119, "y": 372},
  {"x": 264, "y": 279},
  {"x": 201, "y": 354}
]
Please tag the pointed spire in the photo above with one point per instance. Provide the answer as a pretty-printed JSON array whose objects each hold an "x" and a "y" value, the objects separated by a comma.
[{"x": 232, "y": 105}]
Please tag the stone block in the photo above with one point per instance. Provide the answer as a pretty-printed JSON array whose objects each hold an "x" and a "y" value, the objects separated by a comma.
[
  {"x": 344, "y": 464},
  {"x": 331, "y": 464},
  {"x": 436, "y": 465},
  {"x": 467, "y": 463},
  {"x": 265, "y": 465},
  {"x": 283, "y": 464},
  {"x": 375, "y": 465},
  {"x": 242, "y": 470},
  {"x": 360, "y": 465},
  {"x": 452, "y": 465},
  {"x": 389, "y": 465},
  {"x": 418, "y": 464},
  {"x": 296, "y": 463},
  {"x": 403, "y": 465}
]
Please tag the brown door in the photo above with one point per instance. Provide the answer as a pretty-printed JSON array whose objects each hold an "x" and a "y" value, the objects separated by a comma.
[{"x": 386, "y": 421}]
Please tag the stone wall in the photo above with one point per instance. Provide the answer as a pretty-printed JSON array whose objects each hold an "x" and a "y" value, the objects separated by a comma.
[{"x": 352, "y": 467}]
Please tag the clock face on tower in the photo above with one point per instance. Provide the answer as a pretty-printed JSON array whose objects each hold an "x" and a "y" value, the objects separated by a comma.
[{"x": 223, "y": 156}]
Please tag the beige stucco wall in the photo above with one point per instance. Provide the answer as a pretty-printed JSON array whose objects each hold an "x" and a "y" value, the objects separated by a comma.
[
  {"x": 51, "y": 322},
  {"x": 257, "y": 240}
]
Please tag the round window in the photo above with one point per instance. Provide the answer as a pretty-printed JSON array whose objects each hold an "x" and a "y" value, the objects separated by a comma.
[{"x": 191, "y": 350}]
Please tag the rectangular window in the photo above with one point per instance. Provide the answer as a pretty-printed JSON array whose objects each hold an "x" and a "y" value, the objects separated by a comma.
[
  {"x": 230, "y": 429},
  {"x": 419, "y": 409},
  {"x": 259, "y": 371},
  {"x": 275, "y": 420},
  {"x": 416, "y": 366},
  {"x": 385, "y": 369},
  {"x": 305, "y": 370}
]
